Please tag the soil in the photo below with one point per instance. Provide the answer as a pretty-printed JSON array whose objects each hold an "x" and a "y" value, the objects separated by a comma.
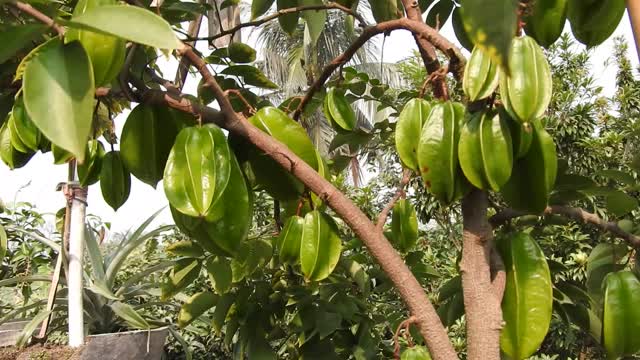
[{"x": 40, "y": 352}]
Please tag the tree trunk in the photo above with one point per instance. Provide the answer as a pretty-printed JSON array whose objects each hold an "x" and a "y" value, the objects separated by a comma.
[{"x": 482, "y": 304}]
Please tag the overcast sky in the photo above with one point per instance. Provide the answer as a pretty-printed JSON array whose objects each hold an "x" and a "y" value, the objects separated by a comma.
[{"x": 36, "y": 182}]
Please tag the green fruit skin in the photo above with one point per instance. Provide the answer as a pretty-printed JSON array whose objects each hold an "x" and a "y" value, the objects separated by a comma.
[
  {"x": 534, "y": 175},
  {"x": 545, "y": 21},
  {"x": 89, "y": 171},
  {"x": 416, "y": 353},
  {"x": 290, "y": 239},
  {"x": 13, "y": 158},
  {"x": 338, "y": 111},
  {"x": 621, "y": 316},
  {"x": 384, "y": 10},
  {"x": 593, "y": 21},
  {"x": 195, "y": 228},
  {"x": 521, "y": 135},
  {"x": 438, "y": 152},
  {"x": 409, "y": 124},
  {"x": 528, "y": 297},
  {"x": 526, "y": 92},
  {"x": 115, "y": 180},
  {"x": 106, "y": 52},
  {"x": 485, "y": 151},
  {"x": 404, "y": 225},
  {"x": 481, "y": 76}
]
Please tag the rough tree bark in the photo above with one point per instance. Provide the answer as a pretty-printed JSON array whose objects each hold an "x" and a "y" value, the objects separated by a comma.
[{"x": 481, "y": 298}]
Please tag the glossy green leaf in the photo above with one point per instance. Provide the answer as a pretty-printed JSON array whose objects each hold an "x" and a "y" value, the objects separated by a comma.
[
  {"x": 251, "y": 76},
  {"x": 288, "y": 22},
  {"x": 150, "y": 29},
  {"x": 197, "y": 170},
  {"x": 413, "y": 116},
  {"x": 491, "y": 25},
  {"x": 194, "y": 227},
  {"x": 220, "y": 274},
  {"x": 89, "y": 171},
  {"x": 451, "y": 310},
  {"x": 28, "y": 330},
  {"x": 221, "y": 311},
  {"x": 10, "y": 156},
  {"x": 60, "y": 155},
  {"x": 618, "y": 175},
  {"x": 404, "y": 225},
  {"x": 605, "y": 254},
  {"x": 259, "y": 7},
  {"x": 17, "y": 37},
  {"x": 128, "y": 314},
  {"x": 197, "y": 305},
  {"x": 528, "y": 296},
  {"x": 146, "y": 141},
  {"x": 620, "y": 204},
  {"x": 621, "y": 316},
  {"x": 459, "y": 30},
  {"x": 339, "y": 111},
  {"x": 290, "y": 239},
  {"x": 315, "y": 21},
  {"x": 241, "y": 53},
  {"x": 58, "y": 94},
  {"x": 416, "y": 353},
  {"x": 185, "y": 248},
  {"x": 115, "y": 180},
  {"x": 320, "y": 247}
]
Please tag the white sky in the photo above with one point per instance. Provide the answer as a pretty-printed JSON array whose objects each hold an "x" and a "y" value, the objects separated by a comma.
[{"x": 36, "y": 182}]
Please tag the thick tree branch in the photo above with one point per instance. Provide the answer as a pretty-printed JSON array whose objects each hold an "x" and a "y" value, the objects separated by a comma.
[
  {"x": 427, "y": 51},
  {"x": 409, "y": 288},
  {"x": 417, "y": 28},
  {"x": 36, "y": 14},
  {"x": 481, "y": 303},
  {"x": 266, "y": 19},
  {"x": 577, "y": 214},
  {"x": 382, "y": 218}
]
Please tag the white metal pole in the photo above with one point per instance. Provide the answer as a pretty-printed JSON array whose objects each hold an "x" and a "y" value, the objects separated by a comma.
[{"x": 76, "y": 251}]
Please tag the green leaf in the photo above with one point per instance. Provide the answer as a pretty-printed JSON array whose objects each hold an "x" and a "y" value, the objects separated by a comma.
[
  {"x": 258, "y": 347},
  {"x": 412, "y": 117},
  {"x": 288, "y": 22},
  {"x": 146, "y": 141},
  {"x": 197, "y": 170},
  {"x": 10, "y": 156},
  {"x": 30, "y": 328},
  {"x": 17, "y": 37},
  {"x": 117, "y": 20},
  {"x": 621, "y": 316},
  {"x": 182, "y": 275},
  {"x": 605, "y": 254},
  {"x": 315, "y": 20},
  {"x": 491, "y": 25},
  {"x": 439, "y": 14},
  {"x": 93, "y": 248},
  {"x": 619, "y": 203},
  {"x": 58, "y": 94},
  {"x": 3, "y": 243},
  {"x": 241, "y": 53},
  {"x": 197, "y": 305},
  {"x": 259, "y": 7},
  {"x": 89, "y": 171},
  {"x": 385, "y": 10},
  {"x": 185, "y": 248},
  {"x": 23, "y": 127},
  {"x": 320, "y": 247},
  {"x": 221, "y": 311},
  {"x": 115, "y": 180},
  {"x": 220, "y": 275},
  {"x": 251, "y": 76},
  {"x": 128, "y": 314},
  {"x": 620, "y": 176},
  {"x": 528, "y": 296},
  {"x": 404, "y": 225},
  {"x": 60, "y": 155}
]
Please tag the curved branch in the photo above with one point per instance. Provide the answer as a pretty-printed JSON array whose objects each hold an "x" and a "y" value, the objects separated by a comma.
[
  {"x": 419, "y": 29},
  {"x": 258, "y": 22},
  {"x": 36, "y": 14},
  {"x": 409, "y": 288},
  {"x": 382, "y": 218},
  {"x": 576, "y": 214}
]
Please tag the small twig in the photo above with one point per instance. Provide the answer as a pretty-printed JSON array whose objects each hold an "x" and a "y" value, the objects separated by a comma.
[
  {"x": 382, "y": 218},
  {"x": 250, "y": 109},
  {"x": 258, "y": 22},
  {"x": 577, "y": 214},
  {"x": 36, "y": 14},
  {"x": 396, "y": 336},
  {"x": 439, "y": 74}
]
